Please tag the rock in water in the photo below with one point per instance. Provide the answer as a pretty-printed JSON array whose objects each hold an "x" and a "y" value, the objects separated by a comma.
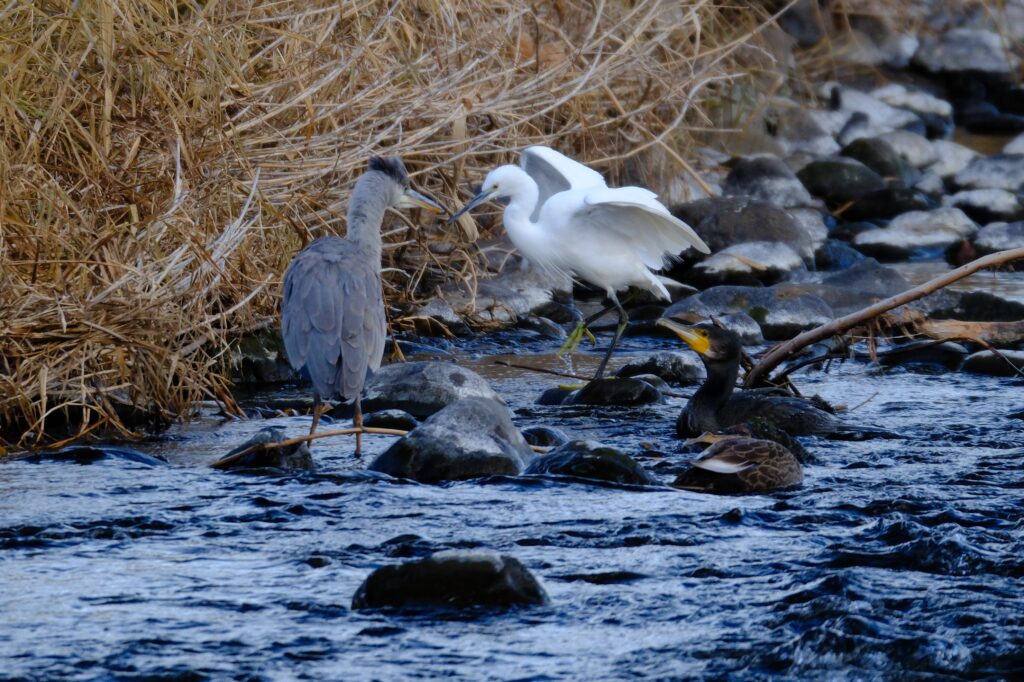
[
  {"x": 987, "y": 205},
  {"x": 423, "y": 388},
  {"x": 470, "y": 438},
  {"x": 296, "y": 457},
  {"x": 545, "y": 436},
  {"x": 615, "y": 391},
  {"x": 391, "y": 419},
  {"x": 88, "y": 454},
  {"x": 748, "y": 263},
  {"x": 999, "y": 237},
  {"x": 1008, "y": 363},
  {"x": 917, "y": 232},
  {"x": 999, "y": 171},
  {"x": 676, "y": 368},
  {"x": 451, "y": 579},
  {"x": 588, "y": 459}
]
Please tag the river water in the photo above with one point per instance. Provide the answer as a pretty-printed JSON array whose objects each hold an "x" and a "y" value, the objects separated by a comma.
[{"x": 897, "y": 558}]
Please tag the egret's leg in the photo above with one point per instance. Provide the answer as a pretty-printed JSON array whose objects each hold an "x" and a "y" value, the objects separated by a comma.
[
  {"x": 357, "y": 421},
  {"x": 581, "y": 330},
  {"x": 317, "y": 407},
  {"x": 623, "y": 321}
]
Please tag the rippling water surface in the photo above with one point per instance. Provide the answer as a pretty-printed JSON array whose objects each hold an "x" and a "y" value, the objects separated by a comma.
[{"x": 897, "y": 558}]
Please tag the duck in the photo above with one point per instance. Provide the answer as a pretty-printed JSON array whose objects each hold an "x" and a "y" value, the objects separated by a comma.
[{"x": 738, "y": 464}]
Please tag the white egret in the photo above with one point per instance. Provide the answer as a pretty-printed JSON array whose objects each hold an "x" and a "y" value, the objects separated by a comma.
[{"x": 563, "y": 217}]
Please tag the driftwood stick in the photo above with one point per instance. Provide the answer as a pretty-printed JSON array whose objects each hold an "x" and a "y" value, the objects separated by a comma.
[{"x": 783, "y": 351}]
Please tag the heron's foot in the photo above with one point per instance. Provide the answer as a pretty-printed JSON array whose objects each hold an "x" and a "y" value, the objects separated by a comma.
[{"x": 575, "y": 338}]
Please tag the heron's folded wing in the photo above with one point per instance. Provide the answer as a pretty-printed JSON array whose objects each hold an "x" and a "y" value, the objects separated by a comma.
[
  {"x": 363, "y": 325},
  {"x": 554, "y": 172},
  {"x": 637, "y": 215}
]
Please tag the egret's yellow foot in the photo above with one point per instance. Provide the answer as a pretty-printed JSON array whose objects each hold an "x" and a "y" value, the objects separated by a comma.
[{"x": 575, "y": 338}]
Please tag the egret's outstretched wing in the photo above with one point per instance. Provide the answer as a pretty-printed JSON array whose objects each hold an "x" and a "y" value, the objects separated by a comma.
[
  {"x": 554, "y": 172},
  {"x": 637, "y": 215}
]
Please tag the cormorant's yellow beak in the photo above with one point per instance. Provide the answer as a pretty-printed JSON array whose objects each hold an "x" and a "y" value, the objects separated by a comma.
[
  {"x": 413, "y": 199},
  {"x": 697, "y": 342}
]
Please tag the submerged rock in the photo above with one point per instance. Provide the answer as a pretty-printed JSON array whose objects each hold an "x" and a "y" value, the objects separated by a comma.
[
  {"x": 840, "y": 180},
  {"x": 391, "y": 419},
  {"x": 977, "y": 306},
  {"x": 588, "y": 459},
  {"x": 766, "y": 178},
  {"x": 423, "y": 388},
  {"x": 1007, "y": 363},
  {"x": 615, "y": 391},
  {"x": 89, "y": 454},
  {"x": 999, "y": 171},
  {"x": 836, "y": 255},
  {"x": 681, "y": 369},
  {"x": 470, "y": 438},
  {"x": 545, "y": 436},
  {"x": 916, "y": 232},
  {"x": 928, "y": 354},
  {"x": 296, "y": 457},
  {"x": 451, "y": 579},
  {"x": 747, "y": 263},
  {"x": 966, "y": 49}
]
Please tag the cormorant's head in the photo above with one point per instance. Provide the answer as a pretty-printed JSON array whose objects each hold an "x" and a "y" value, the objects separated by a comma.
[
  {"x": 710, "y": 341},
  {"x": 400, "y": 191}
]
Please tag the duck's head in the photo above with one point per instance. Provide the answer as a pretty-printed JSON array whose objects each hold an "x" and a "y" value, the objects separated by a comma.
[{"x": 710, "y": 341}]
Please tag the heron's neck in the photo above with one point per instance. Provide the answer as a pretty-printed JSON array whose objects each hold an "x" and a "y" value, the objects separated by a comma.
[
  {"x": 716, "y": 391},
  {"x": 523, "y": 232},
  {"x": 366, "y": 210}
]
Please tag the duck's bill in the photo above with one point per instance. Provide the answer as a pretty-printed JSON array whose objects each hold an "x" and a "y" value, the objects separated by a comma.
[
  {"x": 413, "y": 199},
  {"x": 473, "y": 203},
  {"x": 693, "y": 339}
]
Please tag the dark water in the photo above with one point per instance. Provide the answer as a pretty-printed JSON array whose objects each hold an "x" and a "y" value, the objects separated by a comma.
[{"x": 897, "y": 559}]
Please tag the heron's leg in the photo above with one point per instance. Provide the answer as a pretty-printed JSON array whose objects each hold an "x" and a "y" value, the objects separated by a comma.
[
  {"x": 357, "y": 421},
  {"x": 317, "y": 407},
  {"x": 623, "y": 321}
]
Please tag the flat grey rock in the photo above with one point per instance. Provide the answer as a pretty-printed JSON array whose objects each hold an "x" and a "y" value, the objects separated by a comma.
[
  {"x": 589, "y": 459},
  {"x": 950, "y": 158},
  {"x": 999, "y": 171},
  {"x": 916, "y": 231},
  {"x": 423, "y": 388}
]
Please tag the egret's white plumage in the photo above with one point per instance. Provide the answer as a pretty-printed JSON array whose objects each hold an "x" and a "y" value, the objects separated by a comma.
[{"x": 562, "y": 216}]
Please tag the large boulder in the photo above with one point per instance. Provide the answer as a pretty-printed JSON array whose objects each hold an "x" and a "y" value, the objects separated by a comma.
[
  {"x": 917, "y": 233},
  {"x": 423, "y": 388},
  {"x": 780, "y": 311},
  {"x": 966, "y": 49},
  {"x": 588, "y": 459},
  {"x": 769, "y": 179},
  {"x": 470, "y": 438},
  {"x": 725, "y": 221},
  {"x": 451, "y": 579}
]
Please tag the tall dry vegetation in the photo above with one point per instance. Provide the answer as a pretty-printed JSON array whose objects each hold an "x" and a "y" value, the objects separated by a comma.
[{"x": 160, "y": 163}]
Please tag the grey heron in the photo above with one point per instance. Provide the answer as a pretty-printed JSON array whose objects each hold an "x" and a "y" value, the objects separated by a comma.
[
  {"x": 332, "y": 313},
  {"x": 563, "y": 217}
]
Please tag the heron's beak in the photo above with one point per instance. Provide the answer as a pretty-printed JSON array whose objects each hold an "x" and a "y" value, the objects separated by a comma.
[
  {"x": 413, "y": 199},
  {"x": 693, "y": 340},
  {"x": 474, "y": 202}
]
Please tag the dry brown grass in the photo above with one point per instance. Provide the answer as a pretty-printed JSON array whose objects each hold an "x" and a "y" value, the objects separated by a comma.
[{"x": 161, "y": 162}]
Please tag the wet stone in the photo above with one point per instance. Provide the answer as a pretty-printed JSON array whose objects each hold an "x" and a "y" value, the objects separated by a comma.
[
  {"x": 545, "y": 436},
  {"x": 623, "y": 391},
  {"x": 928, "y": 354},
  {"x": 747, "y": 263},
  {"x": 999, "y": 237},
  {"x": 1007, "y": 363},
  {"x": 977, "y": 306},
  {"x": 556, "y": 395},
  {"x": 869, "y": 276},
  {"x": 916, "y": 233},
  {"x": 89, "y": 454},
  {"x": 965, "y": 49},
  {"x": 470, "y": 438},
  {"x": 452, "y": 579},
  {"x": 951, "y": 158},
  {"x": 879, "y": 156},
  {"x": 836, "y": 255},
  {"x": 889, "y": 202},
  {"x": 542, "y": 326},
  {"x": 840, "y": 180},
  {"x": 391, "y": 419},
  {"x": 423, "y": 388},
  {"x": 681, "y": 369},
  {"x": 589, "y": 459},
  {"x": 987, "y": 205},
  {"x": 1000, "y": 171},
  {"x": 293, "y": 457},
  {"x": 769, "y": 179},
  {"x": 724, "y": 221}
]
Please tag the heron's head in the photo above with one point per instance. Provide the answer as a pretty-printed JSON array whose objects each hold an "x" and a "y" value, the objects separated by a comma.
[
  {"x": 500, "y": 183},
  {"x": 400, "y": 193},
  {"x": 710, "y": 341}
]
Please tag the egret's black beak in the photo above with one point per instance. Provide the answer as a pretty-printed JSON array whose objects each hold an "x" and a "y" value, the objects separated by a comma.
[
  {"x": 413, "y": 199},
  {"x": 474, "y": 202}
]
